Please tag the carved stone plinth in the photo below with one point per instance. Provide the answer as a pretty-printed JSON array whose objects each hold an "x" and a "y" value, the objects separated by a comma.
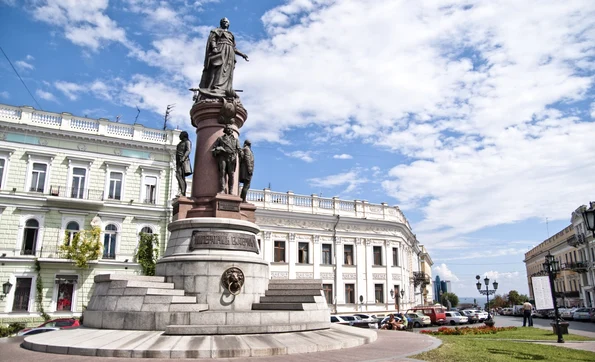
[{"x": 220, "y": 205}]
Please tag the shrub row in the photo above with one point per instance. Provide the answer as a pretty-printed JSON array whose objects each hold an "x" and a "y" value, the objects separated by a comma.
[
  {"x": 446, "y": 331},
  {"x": 12, "y": 328}
]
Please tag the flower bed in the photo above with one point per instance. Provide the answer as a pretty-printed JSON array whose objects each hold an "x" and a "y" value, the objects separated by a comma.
[{"x": 456, "y": 331}]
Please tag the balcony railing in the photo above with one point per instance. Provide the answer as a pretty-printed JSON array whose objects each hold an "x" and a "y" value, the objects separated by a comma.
[
  {"x": 76, "y": 193},
  {"x": 103, "y": 127},
  {"x": 420, "y": 278},
  {"x": 578, "y": 267},
  {"x": 314, "y": 204}
]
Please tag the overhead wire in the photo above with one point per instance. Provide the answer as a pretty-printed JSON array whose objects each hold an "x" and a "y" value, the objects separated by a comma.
[{"x": 22, "y": 81}]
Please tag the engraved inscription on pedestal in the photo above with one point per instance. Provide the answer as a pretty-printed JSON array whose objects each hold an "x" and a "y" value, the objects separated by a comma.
[
  {"x": 228, "y": 206},
  {"x": 223, "y": 240}
]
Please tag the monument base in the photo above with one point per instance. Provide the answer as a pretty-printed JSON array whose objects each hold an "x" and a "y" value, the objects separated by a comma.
[{"x": 220, "y": 205}]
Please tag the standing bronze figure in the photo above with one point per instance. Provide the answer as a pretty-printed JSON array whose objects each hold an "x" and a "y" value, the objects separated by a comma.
[
  {"x": 225, "y": 150},
  {"x": 246, "y": 168},
  {"x": 220, "y": 62},
  {"x": 183, "y": 167}
]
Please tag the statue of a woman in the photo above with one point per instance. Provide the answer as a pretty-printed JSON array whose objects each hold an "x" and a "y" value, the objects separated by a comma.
[{"x": 220, "y": 62}]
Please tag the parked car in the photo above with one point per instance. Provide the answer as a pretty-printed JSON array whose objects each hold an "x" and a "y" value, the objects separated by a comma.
[
  {"x": 506, "y": 311},
  {"x": 436, "y": 314},
  {"x": 338, "y": 319},
  {"x": 472, "y": 317},
  {"x": 37, "y": 330},
  {"x": 60, "y": 323},
  {"x": 481, "y": 315},
  {"x": 583, "y": 314},
  {"x": 370, "y": 318},
  {"x": 419, "y": 319},
  {"x": 541, "y": 313},
  {"x": 567, "y": 313},
  {"x": 455, "y": 318}
]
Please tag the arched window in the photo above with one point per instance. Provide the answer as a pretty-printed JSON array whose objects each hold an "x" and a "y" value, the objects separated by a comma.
[
  {"x": 30, "y": 237},
  {"x": 147, "y": 230},
  {"x": 109, "y": 242},
  {"x": 72, "y": 228}
]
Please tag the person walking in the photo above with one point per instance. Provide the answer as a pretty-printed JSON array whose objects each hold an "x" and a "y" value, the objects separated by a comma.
[{"x": 527, "y": 314}]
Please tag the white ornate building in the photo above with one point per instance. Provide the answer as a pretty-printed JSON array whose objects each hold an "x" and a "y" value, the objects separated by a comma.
[
  {"x": 361, "y": 251},
  {"x": 58, "y": 172}
]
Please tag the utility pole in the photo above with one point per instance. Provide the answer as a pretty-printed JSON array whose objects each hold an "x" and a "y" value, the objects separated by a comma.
[{"x": 170, "y": 107}]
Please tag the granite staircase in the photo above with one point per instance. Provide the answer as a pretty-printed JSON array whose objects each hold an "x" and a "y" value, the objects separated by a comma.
[{"x": 133, "y": 302}]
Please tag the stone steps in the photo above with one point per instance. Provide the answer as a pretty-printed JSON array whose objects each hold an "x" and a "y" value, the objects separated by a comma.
[
  {"x": 143, "y": 278},
  {"x": 243, "y": 329},
  {"x": 278, "y": 292},
  {"x": 295, "y": 286},
  {"x": 290, "y": 299}
]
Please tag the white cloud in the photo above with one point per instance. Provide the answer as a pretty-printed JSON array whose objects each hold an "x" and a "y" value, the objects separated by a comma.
[
  {"x": 593, "y": 110},
  {"x": 305, "y": 156},
  {"x": 29, "y": 57},
  {"x": 5, "y": 94},
  {"x": 494, "y": 276},
  {"x": 343, "y": 156},
  {"x": 445, "y": 273},
  {"x": 23, "y": 65},
  {"x": 84, "y": 22},
  {"x": 351, "y": 180},
  {"x": 70, "y": 90},
  {"x": 46, "y": 95}
]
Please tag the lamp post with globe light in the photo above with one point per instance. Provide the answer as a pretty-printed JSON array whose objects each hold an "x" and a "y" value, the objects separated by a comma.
[
  {"x": 487, "y": 291},
  {"x": 552, "y": 267}
]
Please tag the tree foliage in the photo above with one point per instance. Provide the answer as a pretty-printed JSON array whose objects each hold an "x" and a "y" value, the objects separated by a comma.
[
  {"x": 39, "y": 292},
  {"x": 498, "y": 302},
  {"x": 147, "y": 252},
  {"x": 83, "y": 247},
  {"x": 514, "y": 298},
  {"x": 452, "y": 297}
]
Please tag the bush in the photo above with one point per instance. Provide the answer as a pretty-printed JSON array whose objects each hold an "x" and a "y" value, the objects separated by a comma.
[
  {"x": 12, "y": 328},
  {"x": 446, "y": 331}
]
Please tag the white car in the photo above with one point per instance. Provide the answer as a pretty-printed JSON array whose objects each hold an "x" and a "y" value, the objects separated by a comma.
[
  {"x": 567, "y": 313},
  {"x": 455, "y": 318},
  {"x": 481, "y": 315},
  {"x": 370, "y": 318}
]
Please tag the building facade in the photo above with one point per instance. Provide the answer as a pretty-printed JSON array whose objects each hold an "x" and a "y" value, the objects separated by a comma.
[
  {"x": 365, "y": 254},
  {"x": 568, "y": 283},
  {"x": 59, "y": 173},
  {"x": 585, "y": 244}
]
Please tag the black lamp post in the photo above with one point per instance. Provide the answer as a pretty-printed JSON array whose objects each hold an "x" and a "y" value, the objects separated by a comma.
[
  {"x": 552, "y": 267},
  {"x": 487, "y": 291},
  {"x": 6, "y": 287},
  {"x": 589, "y": 217}
]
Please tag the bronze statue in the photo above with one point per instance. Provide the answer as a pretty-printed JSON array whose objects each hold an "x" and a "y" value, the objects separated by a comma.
[
  {"x": 225, "y": 150},
  {"x": 246, "y": 168},
  {"x": 183, "y": 167},
  {"x": 220, "y": 62}
]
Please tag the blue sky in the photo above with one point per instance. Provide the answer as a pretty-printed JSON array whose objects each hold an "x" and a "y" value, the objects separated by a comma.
[{"x": 475, "y": 117}]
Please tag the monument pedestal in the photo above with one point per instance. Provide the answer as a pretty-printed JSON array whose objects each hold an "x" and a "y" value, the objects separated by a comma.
[
  {"x": 199, "y": 252},
  {"x": 220, "y": 205}
]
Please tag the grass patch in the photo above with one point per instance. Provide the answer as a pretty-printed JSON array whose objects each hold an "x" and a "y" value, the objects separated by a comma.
[
  {"x": 472, "y": 349},
  {"x": 536, "y": 334}
]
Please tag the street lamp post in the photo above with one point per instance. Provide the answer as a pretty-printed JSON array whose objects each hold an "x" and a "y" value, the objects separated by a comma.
[
  {"x": 552, "y": 267},
  {"x": 487, "y": 291},
  {"x": 589, "y": 216},
  {"x": 397, "y": 296}
]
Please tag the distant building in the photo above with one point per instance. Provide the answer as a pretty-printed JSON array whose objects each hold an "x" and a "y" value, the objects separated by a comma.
[{"x": 568, "y": 283}]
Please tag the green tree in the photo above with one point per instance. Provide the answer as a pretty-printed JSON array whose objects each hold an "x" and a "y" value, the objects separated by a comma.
[
  {"x": 452, "y": 297},
  {"x": 498, "y": 302},
  {"x": 514, "y": 298},
  {"x": 83, "y": 247},
  {"x": 147, "y": 253}
]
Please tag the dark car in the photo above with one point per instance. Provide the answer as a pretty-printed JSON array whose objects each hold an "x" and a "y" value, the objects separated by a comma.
[{"x": 60, "y": 323}]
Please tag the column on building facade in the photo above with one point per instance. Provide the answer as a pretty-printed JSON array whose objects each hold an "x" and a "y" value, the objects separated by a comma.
[
  {"x": 389, "y": 277},
  {"x": 370, "y": 295},
  {"x": 361, "y": 269},
  {"x": 268, "y": 249},
  {"x": 316, "y": 256},
  {"x": 291, "y": 256},
  {"x": 339, "y": 288}
]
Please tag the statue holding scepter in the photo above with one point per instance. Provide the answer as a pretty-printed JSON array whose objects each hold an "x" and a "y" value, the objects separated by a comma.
[{"x": 220, "y": 62}]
